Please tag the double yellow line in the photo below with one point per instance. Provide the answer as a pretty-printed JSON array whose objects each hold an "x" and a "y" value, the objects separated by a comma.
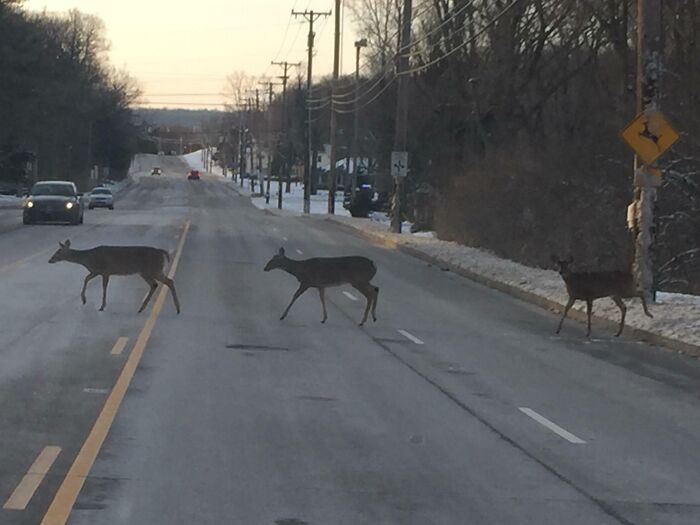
[{"x": 67, "y": 493}]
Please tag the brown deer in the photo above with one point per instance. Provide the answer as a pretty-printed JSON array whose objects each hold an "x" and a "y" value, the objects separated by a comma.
[
  {"x": 120, "y": 260},
  {"x": 325, "y": 272},
  {"x": 588, "y": 286}
]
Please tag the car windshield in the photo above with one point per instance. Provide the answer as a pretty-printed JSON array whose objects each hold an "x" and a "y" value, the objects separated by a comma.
[
  {"x": 101, "y": 191},
  {"x": 63, "y": 190}
]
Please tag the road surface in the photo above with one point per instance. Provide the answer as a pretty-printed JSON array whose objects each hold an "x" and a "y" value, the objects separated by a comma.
[{"x": 459, "y": 406}]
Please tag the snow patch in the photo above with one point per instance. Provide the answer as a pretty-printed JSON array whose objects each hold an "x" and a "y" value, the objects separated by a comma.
[{"x": 676, "y": 316}]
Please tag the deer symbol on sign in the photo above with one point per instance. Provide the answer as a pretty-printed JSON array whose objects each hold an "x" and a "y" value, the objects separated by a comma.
[{"x": 647, "y": 134}]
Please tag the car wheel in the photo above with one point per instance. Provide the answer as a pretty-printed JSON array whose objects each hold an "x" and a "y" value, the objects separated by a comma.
[
  {"x": 91, "y": 207},
  {"x": 111, "y": 207}
]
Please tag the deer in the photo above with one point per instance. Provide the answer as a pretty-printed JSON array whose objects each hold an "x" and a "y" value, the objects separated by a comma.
[
  {"x": 589, "y": 286},
  {"x": 106, "y": 261},
  {"x": 326, "y": 272}
]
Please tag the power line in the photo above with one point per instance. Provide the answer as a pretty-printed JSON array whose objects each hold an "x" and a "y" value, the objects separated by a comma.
[
  {"x": 449, "y": 53},
  {"x": 425, "y": 66}
]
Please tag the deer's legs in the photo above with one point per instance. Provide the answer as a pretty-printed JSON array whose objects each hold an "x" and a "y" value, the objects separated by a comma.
[
  {"x": 167, "y": 281},
  {"x": 644, "y": 305},
  {"x": 322, "y": 295},
  {"x": 89, "y": 277},
  {"x": 623, "y": 310},
  {"x": 105, "y": 282},
  {"x": 566, "y": 311},
  {"x": 589, "y": 310},
  {"x": 153, "y": 285},
  {"x": 302, "y": 288},
  {"x": 370, "y": 293},
  {"x": 374, "y": 304}
]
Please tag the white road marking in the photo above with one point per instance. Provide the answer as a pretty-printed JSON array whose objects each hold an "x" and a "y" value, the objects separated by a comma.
[
  {"x": 350, "y": 296},
  {"x": 30, "y": 482},
  {"x": 552, "y": 426},
  {"x": 285, "y": 239},
  {"x": 411, "y": 337},
  {"x": 119, "y": 346},
  {"x": 95, "y": 390},
  {"x": 299, "y": 251}
]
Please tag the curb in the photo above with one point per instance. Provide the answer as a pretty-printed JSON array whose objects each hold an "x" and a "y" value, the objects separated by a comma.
[{"x": 523, "y": 295}]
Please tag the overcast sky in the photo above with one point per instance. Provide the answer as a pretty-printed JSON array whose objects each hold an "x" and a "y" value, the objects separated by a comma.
[{"x": 175, "y": 47}]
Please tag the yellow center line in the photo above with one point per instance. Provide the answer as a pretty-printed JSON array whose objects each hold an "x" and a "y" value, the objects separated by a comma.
[
  {"x": 119, "y": 346},
  {"x": 67, "y": 493},
  {"x": 30, "y": 482}
]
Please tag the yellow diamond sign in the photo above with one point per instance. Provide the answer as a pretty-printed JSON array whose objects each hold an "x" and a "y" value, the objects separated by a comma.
[{"x": 649, "y": 135}]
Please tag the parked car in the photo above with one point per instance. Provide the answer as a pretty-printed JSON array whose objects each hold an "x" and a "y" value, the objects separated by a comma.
[
  {"x": 156, "y": 171},
  {"x": 360, "y": 204},
  {"x": 101, "y": 198},
  {"x": 50, "y": 201},
  {"x": 193, "y": 175}
]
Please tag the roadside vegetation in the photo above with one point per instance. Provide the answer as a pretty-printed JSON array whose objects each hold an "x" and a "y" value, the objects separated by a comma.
[{"x": 63, "y": 108}]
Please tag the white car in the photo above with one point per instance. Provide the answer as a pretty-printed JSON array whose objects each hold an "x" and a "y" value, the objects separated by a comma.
[{"x": 101, "y": 198}]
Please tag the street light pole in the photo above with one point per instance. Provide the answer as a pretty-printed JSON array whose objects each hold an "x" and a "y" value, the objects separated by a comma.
[{"x": 359, "y": 44}]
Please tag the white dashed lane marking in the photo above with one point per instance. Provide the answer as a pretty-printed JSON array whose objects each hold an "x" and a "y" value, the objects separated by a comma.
[
  {"x": 411, "y": 337},
  {"x": 552, "y": 426}
]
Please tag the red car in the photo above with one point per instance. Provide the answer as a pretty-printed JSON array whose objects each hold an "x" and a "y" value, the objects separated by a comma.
[{"x": 193, "y": 175}]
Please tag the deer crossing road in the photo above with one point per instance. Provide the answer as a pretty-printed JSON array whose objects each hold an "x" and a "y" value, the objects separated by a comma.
[{"x": 227, "y": 414}]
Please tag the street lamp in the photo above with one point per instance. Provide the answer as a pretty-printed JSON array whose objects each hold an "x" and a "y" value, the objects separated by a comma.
[{"x": 359, "y": 44}]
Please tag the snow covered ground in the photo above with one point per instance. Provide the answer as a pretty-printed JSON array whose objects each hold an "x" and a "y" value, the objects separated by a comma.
[
  {"x": 676, "y": 316},
  {"x": 293, "y": 203},
  {"x": 195, "y": 161}
]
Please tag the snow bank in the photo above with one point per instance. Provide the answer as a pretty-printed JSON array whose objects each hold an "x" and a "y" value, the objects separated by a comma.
[
  {"x": 293, "y": 203},
  {"x": 196, "y": 162},
  {"x": 676, "y": 316}
]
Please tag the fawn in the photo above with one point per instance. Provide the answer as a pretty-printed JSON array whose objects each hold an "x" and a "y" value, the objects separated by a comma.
[
  {"x": 588, "y": 286},
  {"x": 120, "y": 260},
  {"x": 324, "y": 272}
]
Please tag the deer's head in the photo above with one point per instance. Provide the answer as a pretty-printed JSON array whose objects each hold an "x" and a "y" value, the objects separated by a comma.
[
  {"x": 562, "y": 265},
  {"x": 277, "y": 261},
  {"x": 62, "y": 252}
]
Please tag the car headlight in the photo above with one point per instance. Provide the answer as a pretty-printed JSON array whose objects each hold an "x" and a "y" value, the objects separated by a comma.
[
  {"x": 69, "y": 205},
  {"x": 29, "y": 204}
]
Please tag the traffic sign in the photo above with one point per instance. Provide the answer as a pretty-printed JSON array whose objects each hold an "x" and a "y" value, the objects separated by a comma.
[
  {"x": 399, "y": 163},
  {"x": 650, "y": 135}
]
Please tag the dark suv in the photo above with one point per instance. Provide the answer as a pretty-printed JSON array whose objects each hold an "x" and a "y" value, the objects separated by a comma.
[{"x": 53, "y": 201}]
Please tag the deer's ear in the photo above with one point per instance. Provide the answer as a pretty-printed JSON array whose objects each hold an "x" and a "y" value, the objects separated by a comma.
[
  {"x": 281, "y": 252},
  {"x": 67, "y": 243},
  {"x": 61, "y": 244}
]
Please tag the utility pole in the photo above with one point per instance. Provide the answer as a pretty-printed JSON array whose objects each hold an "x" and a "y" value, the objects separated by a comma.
[
  {"x": 649, "y": 69},
  {"x": 359, "y": 44},
  {"x": 270, "y": 93},
  {"x": 249, "y": 145},
  {"x": 285, "y": 77},
  {"x": 401, "y": 132},
  {"x": 334, "y": 116},
  {"x": 241, "y": 145},
  {"x": 311, "y": 17}
]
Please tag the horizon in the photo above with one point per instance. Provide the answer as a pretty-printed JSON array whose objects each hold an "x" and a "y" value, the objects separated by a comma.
[{"x": 182, "y": 73}]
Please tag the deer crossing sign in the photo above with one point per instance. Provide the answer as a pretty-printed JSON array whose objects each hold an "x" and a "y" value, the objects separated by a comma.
[{"x": 649, "y": 135}]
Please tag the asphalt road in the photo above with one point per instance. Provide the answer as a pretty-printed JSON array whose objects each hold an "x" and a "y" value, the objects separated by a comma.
[{"x": 459, "y": 406}]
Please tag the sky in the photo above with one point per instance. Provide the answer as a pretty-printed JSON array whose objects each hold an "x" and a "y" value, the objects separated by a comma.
[{"x": 187, "y": 49}]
